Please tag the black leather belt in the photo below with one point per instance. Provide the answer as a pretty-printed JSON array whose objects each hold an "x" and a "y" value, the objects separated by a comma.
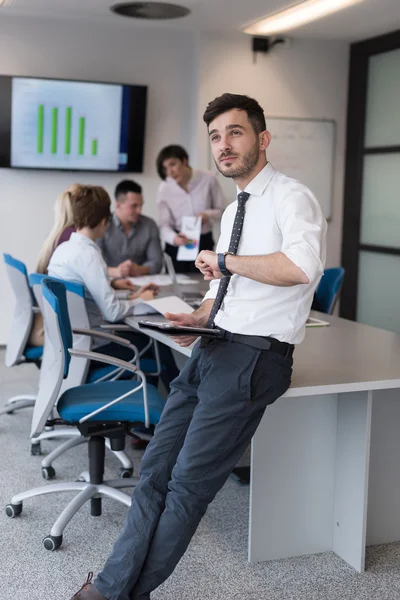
[{"x": 257, "y": 341}]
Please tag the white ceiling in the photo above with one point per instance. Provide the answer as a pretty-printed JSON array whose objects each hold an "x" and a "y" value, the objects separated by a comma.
[{"x": 370, "y": 18}]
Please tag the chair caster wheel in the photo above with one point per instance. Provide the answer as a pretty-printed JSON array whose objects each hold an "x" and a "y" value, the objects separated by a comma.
[
  {"x": 84, "y": 477},
  {"x": 36, "y": 449},
  {"x": 48, "y": 473},
  {"x": 13, "y": 510},
  {"x": 52, "y": 542},
  {"x": 125, "y": 473}
]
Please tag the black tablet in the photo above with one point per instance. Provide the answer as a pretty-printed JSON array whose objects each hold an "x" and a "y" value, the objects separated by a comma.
[{"x": 170, "y": 329}]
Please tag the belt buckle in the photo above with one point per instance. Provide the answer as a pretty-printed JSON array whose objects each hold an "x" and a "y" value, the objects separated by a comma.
[{"x": 227, "y": 335}]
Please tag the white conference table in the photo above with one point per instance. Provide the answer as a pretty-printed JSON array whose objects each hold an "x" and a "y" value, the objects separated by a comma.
[{"x": 325, "y": 460}]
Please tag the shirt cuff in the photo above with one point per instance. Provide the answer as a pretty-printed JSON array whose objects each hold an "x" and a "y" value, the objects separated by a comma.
[
  {"x": 168, "y": 235},
  {"x": 211, "y": 294},
  {"x": 152, "y": 267}
]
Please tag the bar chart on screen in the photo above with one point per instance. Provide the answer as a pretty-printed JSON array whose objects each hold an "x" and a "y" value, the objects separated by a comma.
[{"x": 65, "y": 125}]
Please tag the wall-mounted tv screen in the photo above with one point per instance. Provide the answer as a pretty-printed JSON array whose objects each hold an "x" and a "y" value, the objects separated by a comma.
[{"x": 71, "y": 125}]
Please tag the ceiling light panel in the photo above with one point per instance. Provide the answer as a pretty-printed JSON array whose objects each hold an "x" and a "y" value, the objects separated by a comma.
[{"x": 297, "y": 15}]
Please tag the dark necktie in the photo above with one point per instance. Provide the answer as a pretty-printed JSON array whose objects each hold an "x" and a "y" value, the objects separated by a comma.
[{"x": 233, "y": 248}]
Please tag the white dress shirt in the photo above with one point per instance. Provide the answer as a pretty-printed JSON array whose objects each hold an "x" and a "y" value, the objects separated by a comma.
[
  {"x": 282, "y": 215},
  {"x": 79, "y": 260},
  {"x": 204, "y": 195}
]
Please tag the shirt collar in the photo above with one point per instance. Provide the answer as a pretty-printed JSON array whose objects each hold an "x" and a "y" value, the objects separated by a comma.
[
  {"x": 192, "y": 181},
  {"x": 194, "y": 177},
  {"x": 258, "y": 185},
  {"x": 79, "y": 237},
  {"x": 117, "y": 222}
]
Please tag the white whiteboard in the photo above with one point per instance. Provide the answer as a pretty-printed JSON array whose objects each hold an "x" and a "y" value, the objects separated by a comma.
[
  {"x": 300, "y": 148},
  {"x": 304, "y": 149}
]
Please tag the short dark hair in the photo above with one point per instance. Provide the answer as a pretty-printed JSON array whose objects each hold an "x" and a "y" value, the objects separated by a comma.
[
  {"x": 173, "y": 151},
  {"x": 126, "y": 186},
  {"x": 222, "y": 104},
  {"x": 91, "y": 206}
]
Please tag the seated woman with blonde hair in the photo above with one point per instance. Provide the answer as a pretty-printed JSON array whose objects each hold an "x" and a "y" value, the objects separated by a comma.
[
  {"x": 61, "y": 232},
  {"x": 62, "y": 229}
]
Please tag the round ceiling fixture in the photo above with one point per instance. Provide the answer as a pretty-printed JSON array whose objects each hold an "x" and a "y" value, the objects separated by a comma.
[{"x": 150, "y": 10}]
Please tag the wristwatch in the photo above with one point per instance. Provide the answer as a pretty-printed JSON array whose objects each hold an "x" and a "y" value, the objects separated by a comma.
[{"x": 221, "y": 264}]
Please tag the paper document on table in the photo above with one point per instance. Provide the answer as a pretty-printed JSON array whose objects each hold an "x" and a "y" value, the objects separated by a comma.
[
  {"x": 186, "y": 280},
  {"x": 312, "y": 322},
  {"x": 162, "y": 280},
  {"x": 157, "y": 279},
  {"x": 191, "y": 227},
  {"x": 171, "y": 304}
]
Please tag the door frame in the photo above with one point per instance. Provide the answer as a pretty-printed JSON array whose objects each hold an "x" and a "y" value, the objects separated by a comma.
[{"x": 360, "y": 54}]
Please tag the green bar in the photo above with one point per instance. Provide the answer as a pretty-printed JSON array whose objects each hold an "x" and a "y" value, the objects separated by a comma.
[
  {"x": 40, "y": 128},
  {"x": 94, "y": 147},
  {"x": 68, "y": 129},
  {"x": 54, "y": 121},
  {"x": 81, "y": 139}
]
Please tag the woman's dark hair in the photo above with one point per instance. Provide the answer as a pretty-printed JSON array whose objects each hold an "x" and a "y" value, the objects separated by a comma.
[
  {"x": 173, "y": 151},
  {"x": 91, "y": 206},
  {"x": 222, "y": 104}
]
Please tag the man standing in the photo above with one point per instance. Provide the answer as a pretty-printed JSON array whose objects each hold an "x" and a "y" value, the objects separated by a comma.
[
  {"x": 131, "y": 245},
  {"x": 269, "y": 260}
]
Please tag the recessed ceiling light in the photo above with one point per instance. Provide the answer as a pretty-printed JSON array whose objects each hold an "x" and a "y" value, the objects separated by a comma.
[
  {"x": 150, "y": 10},
  {"x": 297, "y": 15}
]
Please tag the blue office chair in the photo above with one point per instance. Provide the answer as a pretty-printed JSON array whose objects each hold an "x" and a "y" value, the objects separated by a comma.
[
  {"x": 78, "y": 374},
  {"x": 99, "y": 411},
  {"x": 328, "y": 290},
  {"x": 18, "y": 350}
]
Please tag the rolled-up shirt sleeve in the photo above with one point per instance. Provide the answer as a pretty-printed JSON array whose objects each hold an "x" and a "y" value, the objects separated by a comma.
[
  {"x": 212, "y": 292},
  {"x": 96, "y": 281},
  {"x": 222, "y": 246},
  {"x": 217, "y": 200},
  {"x": 303, "y": 229},
  {"x": 164, "y": 218},
  {"x": 154, "y": 255}
]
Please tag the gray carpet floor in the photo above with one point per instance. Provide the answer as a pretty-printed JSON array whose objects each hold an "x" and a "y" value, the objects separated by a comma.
[{"x": 215, "y": 566}]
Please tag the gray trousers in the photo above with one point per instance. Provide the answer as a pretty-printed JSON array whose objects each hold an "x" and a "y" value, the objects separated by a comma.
[{"x": 211, "y": 414}]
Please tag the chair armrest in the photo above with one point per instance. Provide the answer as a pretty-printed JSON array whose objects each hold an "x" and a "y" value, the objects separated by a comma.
[
  {"x": 102, "y": 334},
  {"x": 116, "y": 327},
  {"x": 111, "y": 338},
  {"x": 117, "y": 362}
]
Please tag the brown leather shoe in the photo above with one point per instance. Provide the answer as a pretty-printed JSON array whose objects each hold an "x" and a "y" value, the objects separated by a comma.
[{"x": 88, "y": 591}]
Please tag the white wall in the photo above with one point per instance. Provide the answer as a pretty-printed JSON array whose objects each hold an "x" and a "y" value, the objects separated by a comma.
[
  {"x": 306, "y": 79},
  {"x": 183, "y": 72},
  {"x": 163, "y": 61}
]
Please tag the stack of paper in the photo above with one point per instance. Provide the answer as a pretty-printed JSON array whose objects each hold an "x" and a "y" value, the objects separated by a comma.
[{"x": 171, "y": 304}]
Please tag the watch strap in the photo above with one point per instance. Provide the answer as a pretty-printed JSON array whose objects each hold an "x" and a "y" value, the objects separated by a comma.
[{"x": 221, "y": 264}]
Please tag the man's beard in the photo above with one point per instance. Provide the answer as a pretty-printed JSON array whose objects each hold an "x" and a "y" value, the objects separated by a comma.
[{"x": 247, "y": 165}]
